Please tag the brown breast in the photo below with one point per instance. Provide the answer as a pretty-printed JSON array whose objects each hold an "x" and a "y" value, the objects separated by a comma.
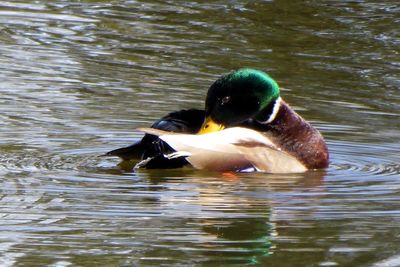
[{"x": 296, "y": 136}]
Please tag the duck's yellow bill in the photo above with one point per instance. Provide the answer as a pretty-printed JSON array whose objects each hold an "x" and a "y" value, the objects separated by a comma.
[{"x": 210, "y": 126}]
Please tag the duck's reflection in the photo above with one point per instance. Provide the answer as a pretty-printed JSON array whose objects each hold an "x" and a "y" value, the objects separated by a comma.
[{"x": 227, "y": 218}]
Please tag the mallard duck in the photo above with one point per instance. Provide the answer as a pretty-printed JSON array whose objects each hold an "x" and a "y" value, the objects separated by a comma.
[{"x": 245, "y": 125}]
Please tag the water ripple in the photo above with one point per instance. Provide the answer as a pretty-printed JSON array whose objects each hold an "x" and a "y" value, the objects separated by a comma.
[{"x": 366, "y": 159}]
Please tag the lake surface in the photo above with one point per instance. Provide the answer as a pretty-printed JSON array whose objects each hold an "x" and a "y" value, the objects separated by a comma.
[{"x": 77, "y": 77}]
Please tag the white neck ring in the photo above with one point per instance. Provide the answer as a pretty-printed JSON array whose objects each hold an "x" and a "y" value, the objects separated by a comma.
[{"x": 275, "y": 110}]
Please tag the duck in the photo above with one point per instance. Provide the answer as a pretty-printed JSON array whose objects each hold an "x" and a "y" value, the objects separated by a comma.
[{"x": 245, "y": 125}]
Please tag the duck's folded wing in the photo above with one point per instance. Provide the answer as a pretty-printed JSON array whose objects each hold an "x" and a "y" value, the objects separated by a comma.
[
  {"x": 269, "y": 159},
  {"x": 231, "y": 149}
]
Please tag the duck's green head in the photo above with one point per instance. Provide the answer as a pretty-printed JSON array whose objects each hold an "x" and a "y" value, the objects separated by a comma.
[{"x": 238, "y": 96}]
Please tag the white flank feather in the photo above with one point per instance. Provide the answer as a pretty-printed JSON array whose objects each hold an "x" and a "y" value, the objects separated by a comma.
[{"x": 230, "y": 149}]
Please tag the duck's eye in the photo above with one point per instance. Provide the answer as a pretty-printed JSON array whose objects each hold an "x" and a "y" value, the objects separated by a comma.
[{"x": 225, "y": 100}]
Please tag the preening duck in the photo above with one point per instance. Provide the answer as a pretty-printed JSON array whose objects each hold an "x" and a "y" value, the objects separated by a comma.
[{"x": 245, "y": 125}]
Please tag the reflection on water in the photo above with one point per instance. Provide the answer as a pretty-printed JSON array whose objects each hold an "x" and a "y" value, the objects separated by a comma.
[{"x": 77, "y": 77}]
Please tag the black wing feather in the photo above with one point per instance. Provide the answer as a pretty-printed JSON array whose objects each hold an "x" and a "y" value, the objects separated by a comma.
[{"x": 183, "y": 121}]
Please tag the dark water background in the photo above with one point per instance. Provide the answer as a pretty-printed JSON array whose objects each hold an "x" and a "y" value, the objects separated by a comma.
[{"x": 77, "y": 77}]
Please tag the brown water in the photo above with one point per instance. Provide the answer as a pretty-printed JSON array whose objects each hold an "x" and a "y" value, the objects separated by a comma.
[{"x": 77, "y": 77}]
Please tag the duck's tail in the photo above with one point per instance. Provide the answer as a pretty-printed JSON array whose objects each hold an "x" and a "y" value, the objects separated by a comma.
[{"x": 134, "y": 151}]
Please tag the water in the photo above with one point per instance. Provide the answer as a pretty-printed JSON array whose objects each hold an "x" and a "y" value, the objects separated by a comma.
[{"x": 77, "y": 77}]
